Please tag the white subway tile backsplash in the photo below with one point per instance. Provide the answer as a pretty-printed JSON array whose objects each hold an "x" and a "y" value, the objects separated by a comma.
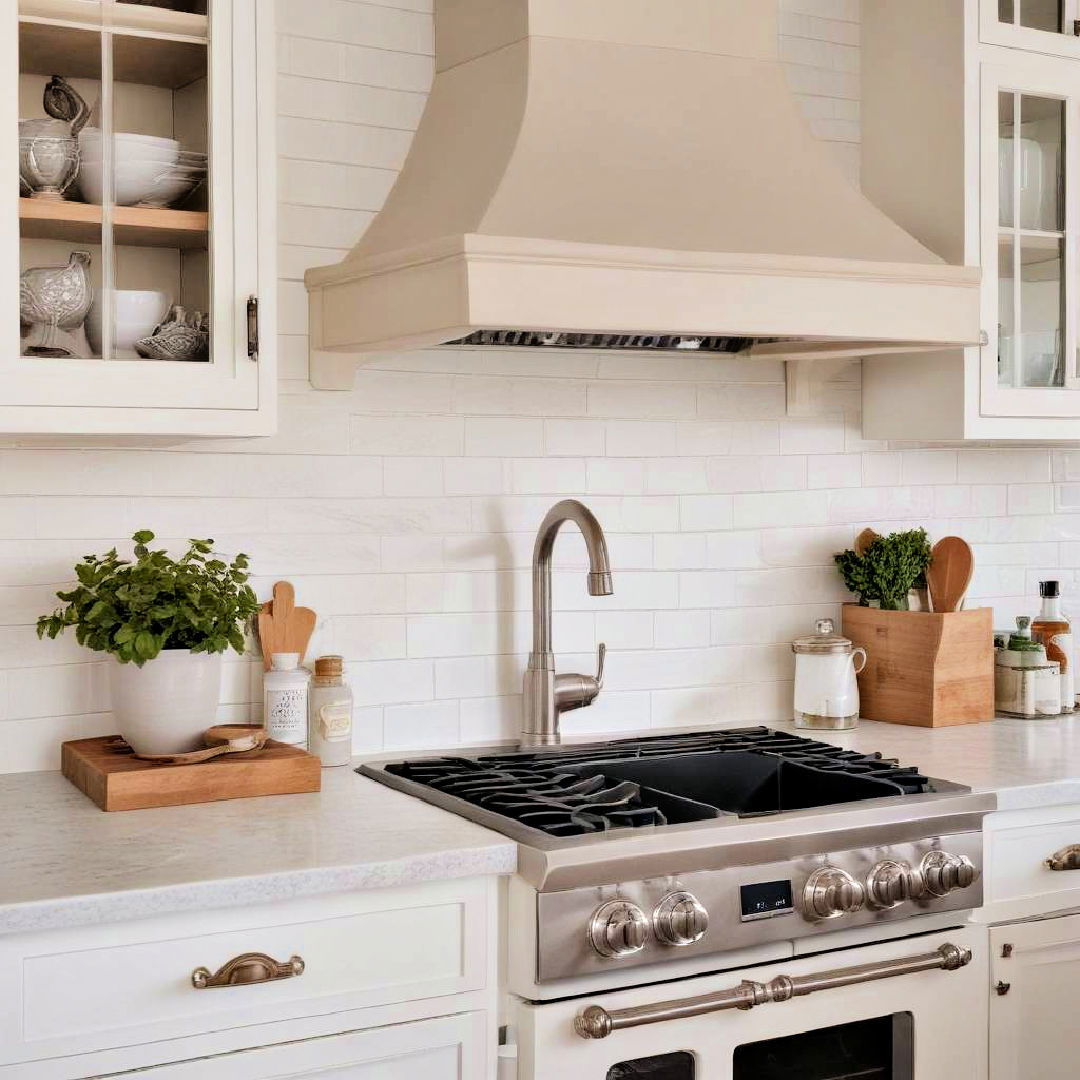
[{"x": 405, "y": 511}]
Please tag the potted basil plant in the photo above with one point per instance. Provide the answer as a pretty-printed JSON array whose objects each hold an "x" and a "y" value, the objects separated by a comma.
[{"x": 166, "y": 623}]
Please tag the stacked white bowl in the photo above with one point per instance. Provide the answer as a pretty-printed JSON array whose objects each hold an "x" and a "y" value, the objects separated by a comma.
[
  {"x": 145, "y": 168},
  {"x": 136, "y": 312}
]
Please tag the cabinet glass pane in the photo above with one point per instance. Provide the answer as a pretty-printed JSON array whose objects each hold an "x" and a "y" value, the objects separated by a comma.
[
  {"x": 1036, "y": 14},
  {"x": 1006, "y": 313},
  {"x": 60, "y": 247},
  {"x": 1006, "y": 158},
  {"x": 1042, "y": 294},
  {"x": 1039, "y": 162},
  {"x": 160, "y": 224}
]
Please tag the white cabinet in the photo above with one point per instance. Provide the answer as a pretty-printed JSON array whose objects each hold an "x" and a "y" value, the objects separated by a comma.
[
  {"x": 137, "y": 284},
  {"x": 1035, "y": 976},
  {"x": 972, "y": 143},
  {"x": 448, "y": 1048}
]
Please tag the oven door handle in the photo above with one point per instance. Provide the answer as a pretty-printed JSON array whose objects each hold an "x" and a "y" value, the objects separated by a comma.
[{"x": 597, "y": 1023}]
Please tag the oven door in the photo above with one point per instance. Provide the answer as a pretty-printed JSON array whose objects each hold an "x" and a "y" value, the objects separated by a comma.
[{"x": 913, "y": 1009}]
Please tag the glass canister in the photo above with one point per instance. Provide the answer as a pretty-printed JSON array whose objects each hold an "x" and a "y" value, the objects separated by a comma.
[{"x": 826, "y": 690}]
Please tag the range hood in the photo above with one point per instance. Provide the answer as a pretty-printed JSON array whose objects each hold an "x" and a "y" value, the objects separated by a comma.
[{"x": 629, "y": 174}]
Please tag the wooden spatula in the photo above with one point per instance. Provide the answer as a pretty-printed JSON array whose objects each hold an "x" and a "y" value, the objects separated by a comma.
[
  {"x": 949, "y": 573},
  {"x": 284, "y": 627},
  {"x": 864, "y": 540}
]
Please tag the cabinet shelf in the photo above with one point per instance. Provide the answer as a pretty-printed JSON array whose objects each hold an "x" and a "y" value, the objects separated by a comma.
[
  {"x": 118, "y": 16},
  {"x": 137, "y": 226}
]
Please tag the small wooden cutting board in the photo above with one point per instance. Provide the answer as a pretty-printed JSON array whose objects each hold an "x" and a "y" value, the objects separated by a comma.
[
  {"x": 284, "y": 627},
  {"x": 123, "y": 782}
]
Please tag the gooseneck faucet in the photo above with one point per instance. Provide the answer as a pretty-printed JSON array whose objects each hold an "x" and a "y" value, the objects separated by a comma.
[{"x": 547, "y": 695}]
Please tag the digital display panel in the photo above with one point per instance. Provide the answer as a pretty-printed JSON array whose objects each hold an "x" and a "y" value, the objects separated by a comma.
[{"x": 765, "y": 899}]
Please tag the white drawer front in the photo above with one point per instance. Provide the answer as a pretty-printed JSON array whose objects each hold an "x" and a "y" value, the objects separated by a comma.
[
  {"x": 1018, "y": 880},
  {"x": 449, "y": 1048},
  {"x": 102, "y": 987}
]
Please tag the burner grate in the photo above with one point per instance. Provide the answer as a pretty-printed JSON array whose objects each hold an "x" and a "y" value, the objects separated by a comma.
[{"x": 576, "y": 791}]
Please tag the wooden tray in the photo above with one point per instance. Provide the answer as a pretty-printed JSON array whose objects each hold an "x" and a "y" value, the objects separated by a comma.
[{"x": 121, "y": 782}]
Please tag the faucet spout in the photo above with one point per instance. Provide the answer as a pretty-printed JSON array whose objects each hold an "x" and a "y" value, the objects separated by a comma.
[{"x": 547, "y": 695}]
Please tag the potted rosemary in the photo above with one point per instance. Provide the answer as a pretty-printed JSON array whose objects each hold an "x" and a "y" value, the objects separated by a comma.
[{"x": 166, "y": 623}]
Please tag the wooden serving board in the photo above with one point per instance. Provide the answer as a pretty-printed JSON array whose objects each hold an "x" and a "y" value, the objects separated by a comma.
[{"x": 121, "y": 782}]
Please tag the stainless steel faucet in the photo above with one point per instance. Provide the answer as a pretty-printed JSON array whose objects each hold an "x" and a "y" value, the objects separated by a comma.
[{"x": 547, "y": 695}]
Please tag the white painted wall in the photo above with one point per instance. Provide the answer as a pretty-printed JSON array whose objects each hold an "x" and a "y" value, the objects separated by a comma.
[{"x": 404, "y": 511}]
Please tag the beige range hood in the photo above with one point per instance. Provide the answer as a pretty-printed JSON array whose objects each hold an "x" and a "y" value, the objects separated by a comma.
[{"x": 627, "y": 173}]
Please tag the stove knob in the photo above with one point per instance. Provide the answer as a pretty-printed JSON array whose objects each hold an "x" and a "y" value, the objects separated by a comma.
[
  {"x": 831, "y": 892},
  {"x": 945, "y": 873},
  {"x": 890, "y": 883},
  {"x": 617, "y": 929},
  {"x": 680, "y": 919}
]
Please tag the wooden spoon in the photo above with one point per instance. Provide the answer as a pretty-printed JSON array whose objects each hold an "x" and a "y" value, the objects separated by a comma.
[
  {"x": 284, "y": 627},
  {"x": 864, "y": 540},
  {"x": 223, "y": 739},
  {"x": 949, "y": 573}
]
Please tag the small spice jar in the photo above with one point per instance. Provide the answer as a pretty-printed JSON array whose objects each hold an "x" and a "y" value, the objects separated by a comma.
[
  {"x": 330, "y": 713},
  {"x": 826, "y": 691}
]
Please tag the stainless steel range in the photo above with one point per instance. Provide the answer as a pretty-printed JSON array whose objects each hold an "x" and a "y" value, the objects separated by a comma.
[{"x": 667, "y": 885}]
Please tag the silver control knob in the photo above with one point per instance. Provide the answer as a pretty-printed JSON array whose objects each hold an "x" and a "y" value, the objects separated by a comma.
[
  {"x": 830, "y": 892},
  {"x": 680, "y": 919},
  {"x": 890, "y": 883},
  {"x": 944, "y": 873},
  {"x": 617, "y": 929}
]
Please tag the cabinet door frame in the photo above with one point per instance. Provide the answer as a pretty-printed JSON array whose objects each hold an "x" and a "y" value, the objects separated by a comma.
[
  {"x": 1041, "y": 77},
  {"x": 1017, "y": 952},
  {"x": 233, "y": 394},
  {"x": 993, "y": 31}
]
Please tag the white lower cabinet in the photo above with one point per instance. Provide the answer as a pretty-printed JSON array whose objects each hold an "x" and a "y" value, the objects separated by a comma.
[
  {"x": 446, "y": 1048},
  {"x": 383, "y": 983},
  {"x": 1035, "y": 987}
]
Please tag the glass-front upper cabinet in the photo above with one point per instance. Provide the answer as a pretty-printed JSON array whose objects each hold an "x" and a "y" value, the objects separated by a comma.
[
  {"x": 1031, "y": 217},
  {"x": 1049, "y": 26},
  {"x": 142, "y": 232}
]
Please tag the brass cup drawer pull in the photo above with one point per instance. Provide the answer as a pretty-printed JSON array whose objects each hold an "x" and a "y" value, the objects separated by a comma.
[
  {"x": 247, "y": 968},
  {"x": 1068, "y": 858}
]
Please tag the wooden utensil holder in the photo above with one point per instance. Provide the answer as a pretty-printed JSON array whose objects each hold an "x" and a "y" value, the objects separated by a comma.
[{"x": 923, "y": 668}]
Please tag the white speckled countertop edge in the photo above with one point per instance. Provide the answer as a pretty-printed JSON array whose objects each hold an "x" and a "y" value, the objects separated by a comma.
[{"x": 65, "y": 863}]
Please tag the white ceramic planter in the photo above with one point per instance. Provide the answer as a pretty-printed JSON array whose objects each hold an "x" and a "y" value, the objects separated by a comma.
[{"x": 165, "y": 706}]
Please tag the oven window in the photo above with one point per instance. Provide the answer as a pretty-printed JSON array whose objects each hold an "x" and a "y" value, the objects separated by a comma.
[
  {"x": 663, "y": 1067},
  {"x": 878, "y": 1049}
]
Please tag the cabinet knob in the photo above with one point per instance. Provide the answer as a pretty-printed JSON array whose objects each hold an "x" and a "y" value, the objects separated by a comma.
[{"x": 251, "y": 967}]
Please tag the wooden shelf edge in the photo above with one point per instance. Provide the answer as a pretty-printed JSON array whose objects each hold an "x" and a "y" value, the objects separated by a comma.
[
  {"x": 141, "y": 226},
  {"x": 136, "y": 17}
]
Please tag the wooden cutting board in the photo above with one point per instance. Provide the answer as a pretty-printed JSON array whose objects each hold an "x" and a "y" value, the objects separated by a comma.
[
  {"x": 122, "y": 782},
  {"x": 284, "y": 627}
]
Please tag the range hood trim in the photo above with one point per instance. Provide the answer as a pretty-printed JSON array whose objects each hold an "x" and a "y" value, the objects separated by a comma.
[{"x": 435, "y": 293}]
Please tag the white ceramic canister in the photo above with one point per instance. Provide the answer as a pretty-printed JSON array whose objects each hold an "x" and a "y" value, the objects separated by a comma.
[
  {"x": 826, "y": 690},
  {"x": 285, "y": 700}
]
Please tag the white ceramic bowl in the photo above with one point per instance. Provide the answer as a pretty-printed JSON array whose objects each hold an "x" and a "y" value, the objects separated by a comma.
[
  {"x": 90, "y": 137},
  {"x": 133, "y": 180},
  {"x": 135, "y": 315}
]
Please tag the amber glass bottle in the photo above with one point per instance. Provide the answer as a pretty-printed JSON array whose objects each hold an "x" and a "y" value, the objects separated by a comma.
[{"x": 1052, "y": 628}]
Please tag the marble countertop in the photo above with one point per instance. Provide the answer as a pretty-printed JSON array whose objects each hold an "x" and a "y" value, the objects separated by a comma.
[
  {"x": 1026, "y": 763},
  {"x": 63, "y": 862}
]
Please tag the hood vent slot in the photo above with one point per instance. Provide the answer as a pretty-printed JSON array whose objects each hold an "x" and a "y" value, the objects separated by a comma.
[{"x": 508, "y": 339}]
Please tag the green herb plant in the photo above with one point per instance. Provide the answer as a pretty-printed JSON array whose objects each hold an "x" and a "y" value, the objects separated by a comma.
[
  {"x": 133, "y": 610},
  {"x": 888, "y": 570}
]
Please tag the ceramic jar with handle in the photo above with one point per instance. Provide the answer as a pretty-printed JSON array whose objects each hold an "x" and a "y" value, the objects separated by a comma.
[{"x": 826, "y": 690}]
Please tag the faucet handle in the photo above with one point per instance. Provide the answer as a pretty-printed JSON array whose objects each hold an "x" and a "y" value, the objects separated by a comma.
[{"x": 601, "y": 655}]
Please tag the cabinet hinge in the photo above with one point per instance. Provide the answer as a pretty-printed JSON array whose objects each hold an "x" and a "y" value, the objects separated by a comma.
[
  {"x": 1006, "y": 951},
  {"x": 1002, "y": 988},
  {"x": 253, "y": 328},
  {"x": 1076, "y": 27}
]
